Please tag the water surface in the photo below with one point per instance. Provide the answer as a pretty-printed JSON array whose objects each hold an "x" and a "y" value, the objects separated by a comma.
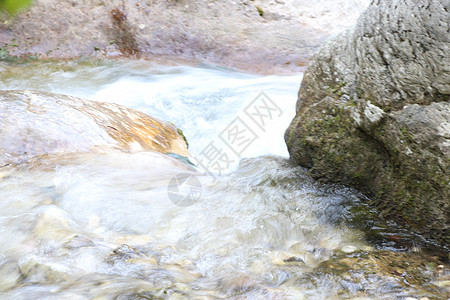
[{"x": 105, "y": 227}]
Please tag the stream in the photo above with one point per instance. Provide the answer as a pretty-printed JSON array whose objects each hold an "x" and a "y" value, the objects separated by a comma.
[{"x": 110, "y": 226}]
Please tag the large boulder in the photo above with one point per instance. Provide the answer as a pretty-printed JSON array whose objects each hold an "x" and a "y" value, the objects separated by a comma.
[
  {"x": 373, "y": 112},
  {"x": 35, "y": 124}
]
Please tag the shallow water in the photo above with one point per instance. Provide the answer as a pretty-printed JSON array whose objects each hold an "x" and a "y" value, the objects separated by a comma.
[{"x": 108, "y": 227}]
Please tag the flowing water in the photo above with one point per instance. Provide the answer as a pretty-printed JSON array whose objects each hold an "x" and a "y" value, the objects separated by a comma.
[{"x": 107, "y": 226}]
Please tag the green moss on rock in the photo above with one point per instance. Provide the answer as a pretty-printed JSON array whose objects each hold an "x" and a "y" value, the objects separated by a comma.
[{"x": 382, "y": 129}]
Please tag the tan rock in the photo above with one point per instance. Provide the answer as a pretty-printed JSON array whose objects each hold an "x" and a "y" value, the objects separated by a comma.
[{"x": 37, "y": 123}]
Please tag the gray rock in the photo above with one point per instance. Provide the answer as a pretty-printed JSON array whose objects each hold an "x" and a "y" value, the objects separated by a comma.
[
  {"x": 373, "y": 112},
  {"x": 33, "y": 124}
]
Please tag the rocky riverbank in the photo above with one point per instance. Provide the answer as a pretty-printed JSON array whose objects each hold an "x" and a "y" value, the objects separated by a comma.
[
  {"x": 373, "y": 112},
  {"x": 259, "y": 36}
]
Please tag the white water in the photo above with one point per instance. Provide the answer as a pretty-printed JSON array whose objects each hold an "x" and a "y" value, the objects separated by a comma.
[
  {"x": 103, "y": 226},
  {"x": 201, "y": 101}
]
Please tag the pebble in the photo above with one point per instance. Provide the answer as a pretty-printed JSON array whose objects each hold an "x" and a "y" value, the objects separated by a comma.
[
  {"x": 182, "y": 287},
  {"x": 52, "y": 224},
  {"x": 257, "y": 266},
  {"x": 293, "y": 257},
  {"x": 78, "y": 241},
  {"x": 146, "y": 261},
  {"x": 348, "y": 249},
  {"x": 137, "y": 240}
]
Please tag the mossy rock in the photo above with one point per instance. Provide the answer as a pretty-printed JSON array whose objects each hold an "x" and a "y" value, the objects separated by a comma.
[{"x": 372, "y": 116}]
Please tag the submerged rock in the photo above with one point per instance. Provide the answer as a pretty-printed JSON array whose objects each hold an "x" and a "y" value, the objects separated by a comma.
[
  {"x": 33, "y": 124},
  {"x": 373, "y": 112},
  {"x": 35, "y": 271},
  {"x": 396, "y": 272}
]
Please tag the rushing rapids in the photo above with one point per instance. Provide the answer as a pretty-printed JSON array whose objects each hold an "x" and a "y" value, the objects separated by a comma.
[{"x": 105, "y": 226}]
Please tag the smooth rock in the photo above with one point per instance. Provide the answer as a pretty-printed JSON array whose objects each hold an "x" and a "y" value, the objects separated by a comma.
[{"x": 36, "y": 124}]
